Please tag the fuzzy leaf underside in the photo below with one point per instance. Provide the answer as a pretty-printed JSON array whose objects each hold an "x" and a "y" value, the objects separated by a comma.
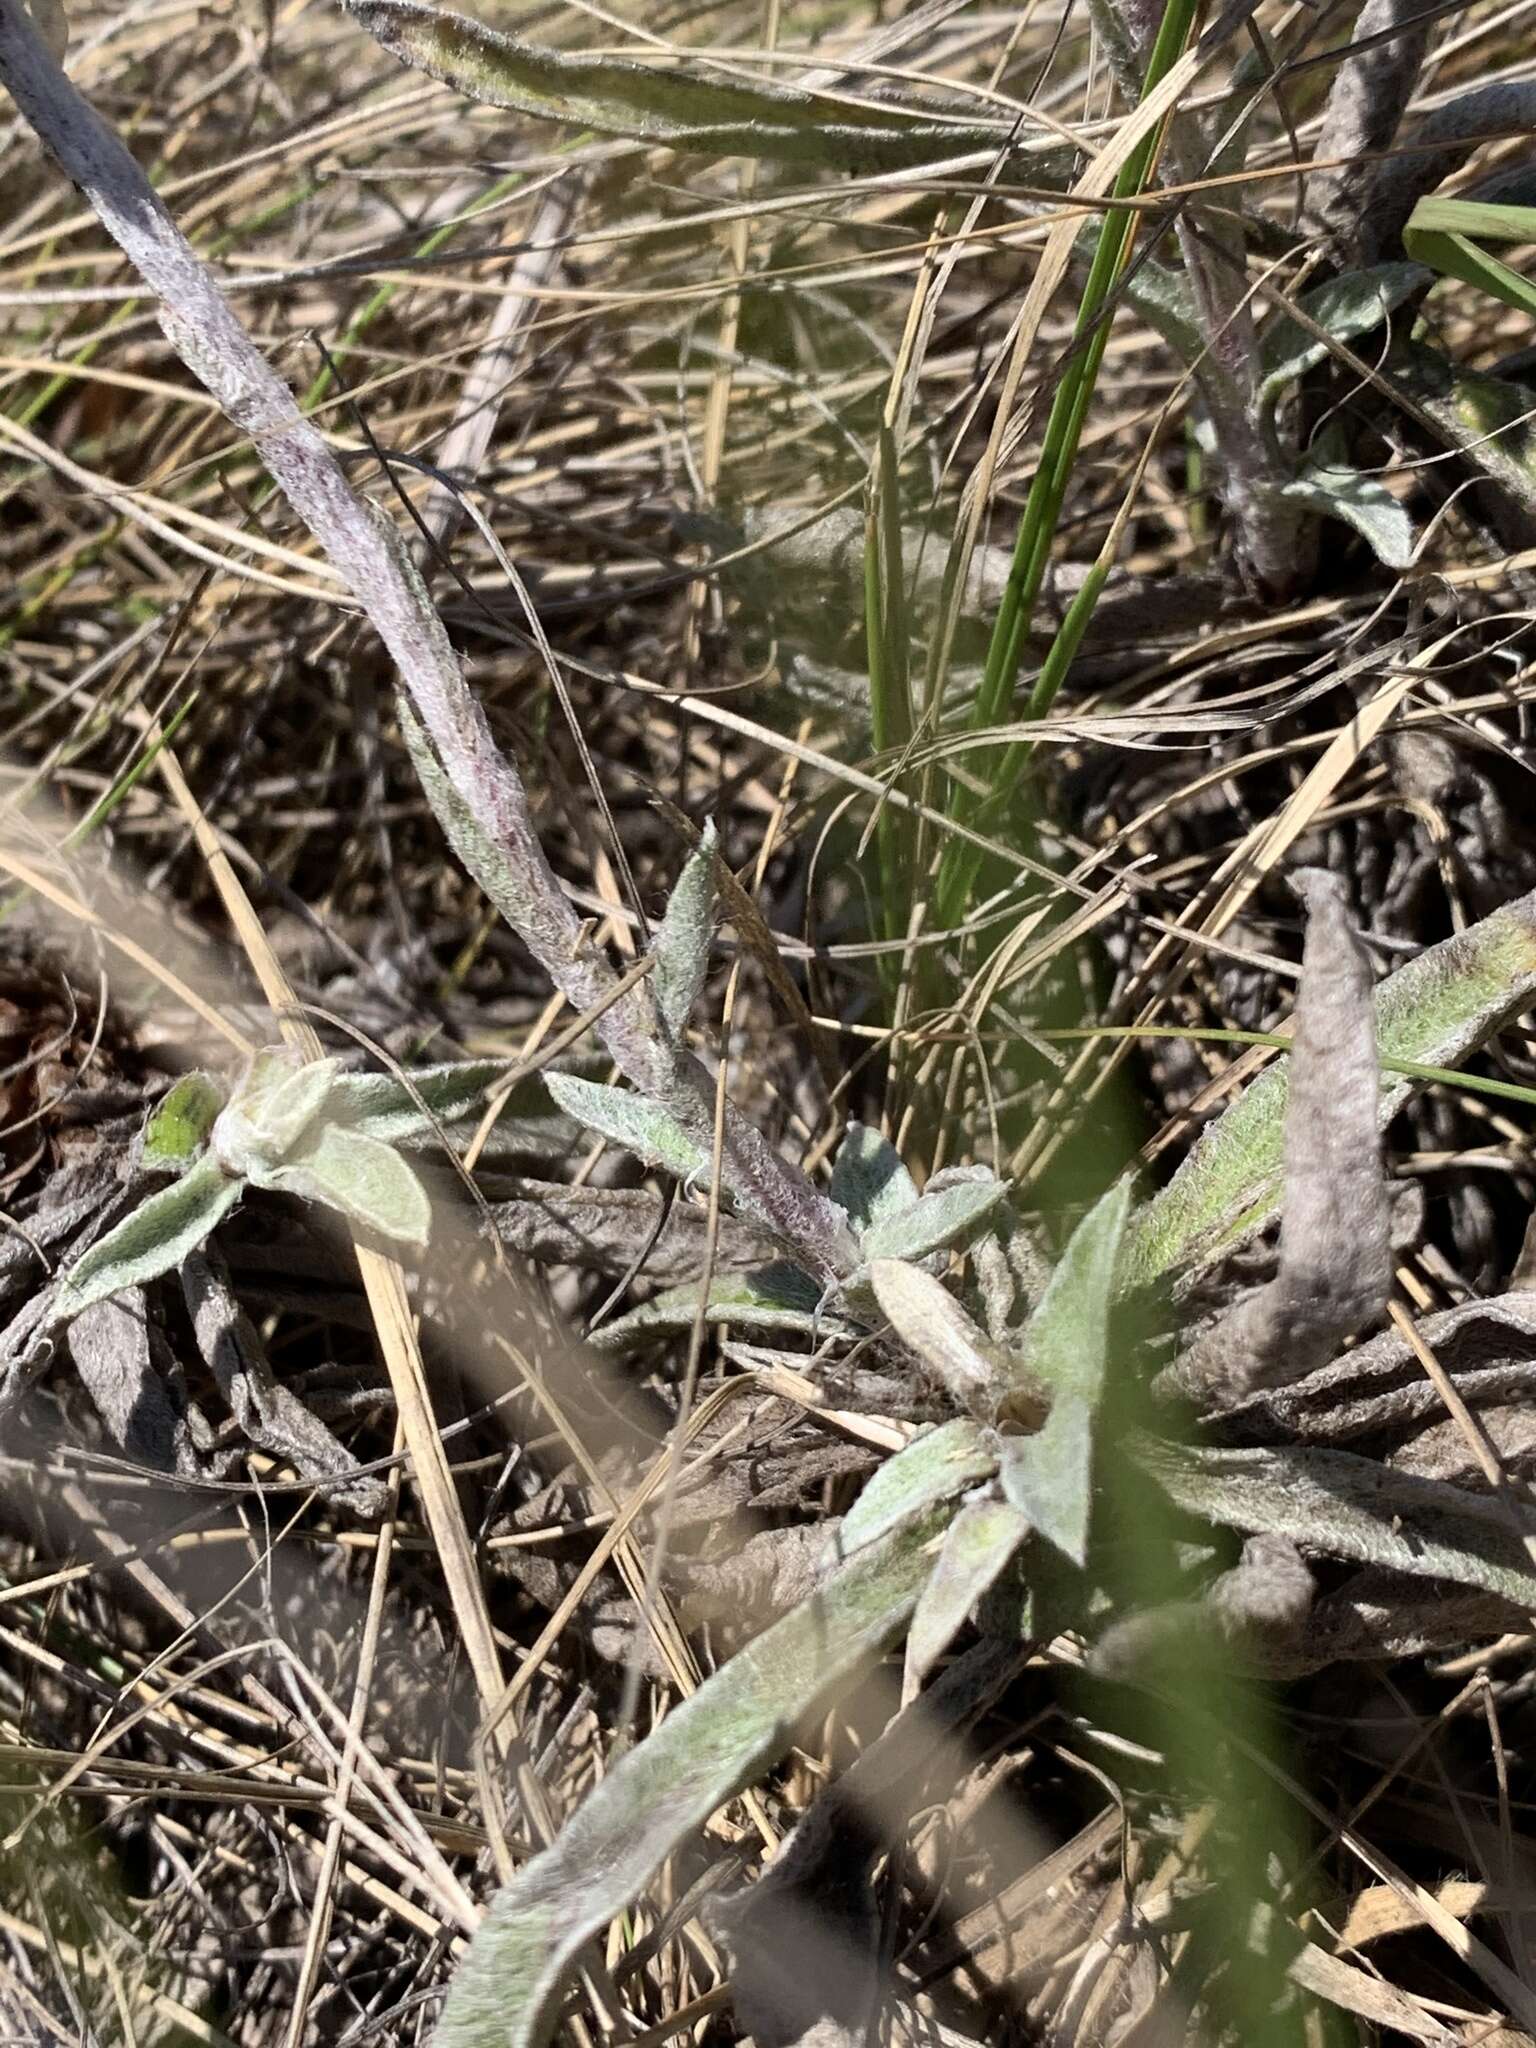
[
  {"x": 680, "y": 944},
  {"x": 869, "y": 1180},
  {"x": 507, "y": 1991},
  {"x": 294, "y": 1104},
  {"x": 1435, "y": 1011},
  {"x": 153, "y": 1239},
  {"x": 687, "y": 109},
  {"x": 939, "y": 1465},
  {"x": 1337, "y": 1504},
  {"x": 629, "y": 1120}
]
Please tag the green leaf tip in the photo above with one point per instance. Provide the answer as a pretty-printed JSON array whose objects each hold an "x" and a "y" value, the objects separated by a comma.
[{"x": 177, "y": 1128}]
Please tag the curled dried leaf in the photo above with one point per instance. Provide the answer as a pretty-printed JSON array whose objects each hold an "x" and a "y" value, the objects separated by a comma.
[
  {"x": 1335, "y": 1266},
  {"x": 1253, "y": 1614}
]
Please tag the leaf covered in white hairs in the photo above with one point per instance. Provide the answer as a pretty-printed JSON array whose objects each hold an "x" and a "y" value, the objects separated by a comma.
[
  {"x": 680, "y": 944},
  {"x": 152, "y": 1240},
  {"x": 629, "y": 1120},
  {"x": 366, "y": 1180}
]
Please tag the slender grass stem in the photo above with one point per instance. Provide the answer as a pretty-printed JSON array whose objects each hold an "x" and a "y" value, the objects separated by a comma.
[{"x": 1058, "y": 454}]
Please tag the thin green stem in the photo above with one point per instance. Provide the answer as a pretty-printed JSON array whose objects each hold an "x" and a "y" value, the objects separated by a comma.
[{"x": 1047, "y": 492}]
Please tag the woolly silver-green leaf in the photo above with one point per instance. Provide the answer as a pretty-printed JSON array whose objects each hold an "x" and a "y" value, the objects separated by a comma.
[
  {"x": 939, "y": 1465},
  {"x": 984, "y": 1377},
  {"x": 629, "y": 1120},
  {"x": 367, "y": 1181},
  {"x": 1433, "y": 1012},
  {"x": 686, "y": 109},
  {"x": 152, "y": 1240},
  {"x": 680, "y": 944},
  {"x": 507, "y": 1993},
  {"x": 869, "y": 1182},
  {"x": 1338, "y": 1504},
  {"x": 773, "y": 1297},
  {"x": 294, "y": 1104},
  {"x": 1345, "y": 307},
  {"x": 1361, "y": 501},
  {"x": 380, "y": 1106},
  {"x": 935, "y": 1222},
  {"x": 977, "y": 1548}
]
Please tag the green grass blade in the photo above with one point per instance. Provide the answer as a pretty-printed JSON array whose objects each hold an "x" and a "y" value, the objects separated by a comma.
[
  {"x": 888, "y": 639},
  {"x": 1042, "y": 510},
  {"x": 1440, "y": 231}
]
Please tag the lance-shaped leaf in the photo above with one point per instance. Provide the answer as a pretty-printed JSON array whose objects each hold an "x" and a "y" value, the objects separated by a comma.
[
  {"x": 869, "y": 1181},
  {"x": 773, "y": 1297},
  {"x": 1361, "y": 501},
  {"x": 1049, "y": 1477},
  {"x": 977, "y": 1547},
  {"x": 681, "y": 941},
  {"x": 368, "y": 1182},
  {"x": 1345, "y": 308},
  {"x": 936, "y": 1221},
  {"x": 153, "y": 1239},
  {"x": 1336, "y": 1504},
  {"x": 382, "y": 1107},
  {"x": 688, "y": 109},
  {"x": 939, "y": 1465},
  {"x": 176, "y": 1129},
  {"x": 629, "y": 1120},
  {"x": 507, "y": 1992},
  {"x": 1431, "y": 1013},
  {"x": 991, "y": 1381}
]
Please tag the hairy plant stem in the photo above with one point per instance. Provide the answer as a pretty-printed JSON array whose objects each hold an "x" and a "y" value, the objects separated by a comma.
[
  {"x": 1365, "y": 106},
  {"x": 366, "y": 550}
]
